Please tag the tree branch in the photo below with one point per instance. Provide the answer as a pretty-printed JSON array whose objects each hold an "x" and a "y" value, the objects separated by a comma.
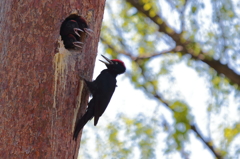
[
  {"x": 186, "y": 46},
  {"x": 207, "y": 143},
  {"x": 193, "y": 127},
  {"x": 135, "y": 58}
]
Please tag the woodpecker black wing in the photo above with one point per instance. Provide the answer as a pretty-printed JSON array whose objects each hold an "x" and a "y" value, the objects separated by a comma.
[
  {"x": 102, "y": 90},
  {"x": 106, "y": 83},
  {"x": 69, "y": 27},
  {"x": 92, "y": 86},
  {"x": 70, "y": 41}
]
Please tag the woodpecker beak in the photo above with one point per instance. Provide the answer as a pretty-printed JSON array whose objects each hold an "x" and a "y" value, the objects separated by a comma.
[
  {"x": 89, "y": 31},
  {"x": 110, "y": 62}
]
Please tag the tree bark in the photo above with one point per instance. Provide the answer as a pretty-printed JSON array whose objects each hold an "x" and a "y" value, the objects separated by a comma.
[{"x": 41, "y": 95}]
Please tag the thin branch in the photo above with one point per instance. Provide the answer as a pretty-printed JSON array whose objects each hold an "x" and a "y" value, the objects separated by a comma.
[
  {"x": 135, "y": 58},
  {"x": 158, "y": 96},
  {"x": 209, "y": 144},
  {"x": 193, "y": 127},
  {"x": 186, "y": 46},
  {"x": 116, "y": 50}
]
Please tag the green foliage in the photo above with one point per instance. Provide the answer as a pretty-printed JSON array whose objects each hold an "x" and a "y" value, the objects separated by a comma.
[
  {"x": 125, "y": 137},
  {"x": 181, "y": 124},
  {"x": 231, "y": 133},
  {"x": 118, "y": 148},
  {"x": 202, "y": 30}
]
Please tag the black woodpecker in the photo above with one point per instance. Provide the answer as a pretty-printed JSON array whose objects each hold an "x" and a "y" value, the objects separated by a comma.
[{"x": 102, "y": 90}]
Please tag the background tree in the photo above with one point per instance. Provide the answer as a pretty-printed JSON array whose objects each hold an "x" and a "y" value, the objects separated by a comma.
[
  {"x": 157, "y": 37},
  {"x": 40, "y": 92}
]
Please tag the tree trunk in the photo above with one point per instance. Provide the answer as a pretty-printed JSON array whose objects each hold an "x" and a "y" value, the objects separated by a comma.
[{"x": 41, "y": 94}]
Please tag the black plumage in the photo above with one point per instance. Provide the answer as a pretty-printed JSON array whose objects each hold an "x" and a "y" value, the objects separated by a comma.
[
  {"x": 102, "y": 90},
  {"x": 70, "y": 41},
  {"x": 70, "y": 27},
  {"x": 71, "y": 31},
  {"x": 70, "y": 34},
  {"x": 83, "y": 25}
]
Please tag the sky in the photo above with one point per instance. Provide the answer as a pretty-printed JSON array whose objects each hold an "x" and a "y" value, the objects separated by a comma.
[
  {"x": 131, "y": 102},
  {"x": 191, "y": 87}
]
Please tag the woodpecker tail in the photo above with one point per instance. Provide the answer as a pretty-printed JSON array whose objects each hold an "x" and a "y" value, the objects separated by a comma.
[{"x": 80, "y": 124}]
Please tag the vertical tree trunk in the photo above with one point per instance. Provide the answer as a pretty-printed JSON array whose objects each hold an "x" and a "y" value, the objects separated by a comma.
[{"x": 40, "y": 92}]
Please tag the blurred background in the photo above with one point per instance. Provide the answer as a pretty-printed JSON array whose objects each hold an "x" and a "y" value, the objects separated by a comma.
[{"x": 180, "y": 96}]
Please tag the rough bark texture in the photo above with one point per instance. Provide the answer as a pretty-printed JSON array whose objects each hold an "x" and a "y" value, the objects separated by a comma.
[{"x": 40, "y": 92}]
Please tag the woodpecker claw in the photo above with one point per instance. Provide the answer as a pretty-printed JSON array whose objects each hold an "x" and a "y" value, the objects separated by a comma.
[
  {"x": 76, "y": 31},
  {"x": 110, "y": 62},
  {"x": 78, "y": 44},
  {"x": 81, "y": 77},
  {"x": 90, "y": 32}
]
